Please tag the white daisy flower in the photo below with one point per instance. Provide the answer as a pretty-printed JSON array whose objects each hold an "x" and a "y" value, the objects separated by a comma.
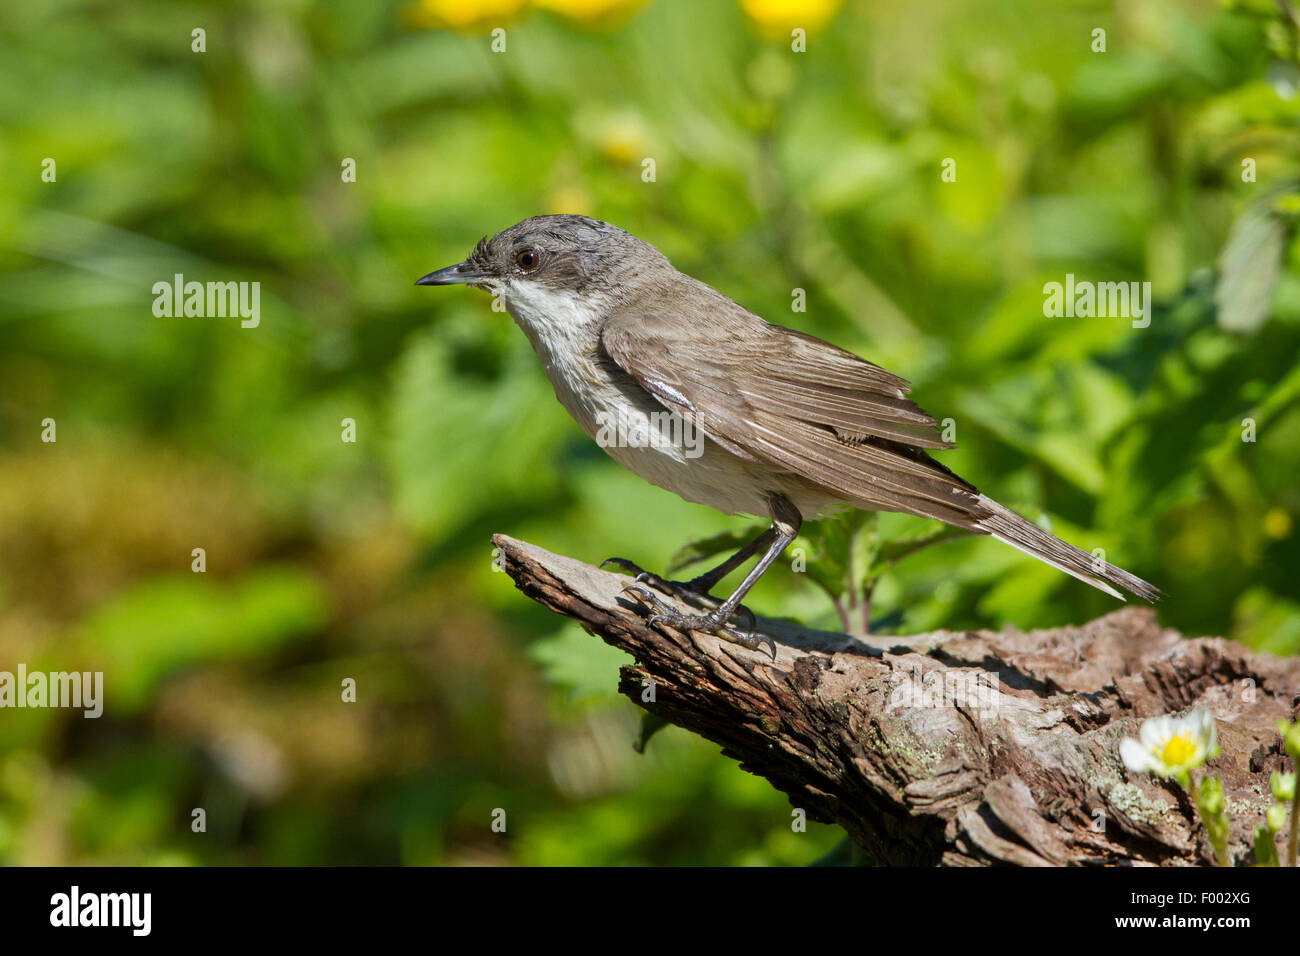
[{"x": 1172, "y": 746}]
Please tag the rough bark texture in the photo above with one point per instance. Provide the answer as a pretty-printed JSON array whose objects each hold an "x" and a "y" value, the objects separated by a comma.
[{"x": 955, "y": 748}]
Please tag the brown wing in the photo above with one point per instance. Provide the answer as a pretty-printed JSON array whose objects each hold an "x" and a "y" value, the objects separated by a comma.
[{"x": 804, "y": 405}]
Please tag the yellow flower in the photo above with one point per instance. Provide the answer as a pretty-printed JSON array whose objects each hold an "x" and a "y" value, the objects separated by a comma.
[
  {"x": 780, "y": 17},
  {"x": 589, "y": 11},
  {"x": 1277, "y": 523},
  {"x": 1172, "y": 746},
  {"x": 623, "y": 138},
  {"x": 569, "y": 199},
  {"x": 462, "y": 14}
]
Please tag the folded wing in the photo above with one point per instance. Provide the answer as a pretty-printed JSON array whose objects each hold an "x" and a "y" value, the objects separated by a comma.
[{"x": 803, "y": 405}]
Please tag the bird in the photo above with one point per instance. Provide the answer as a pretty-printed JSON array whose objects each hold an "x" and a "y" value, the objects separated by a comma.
[{"x": 696, "y": 394}]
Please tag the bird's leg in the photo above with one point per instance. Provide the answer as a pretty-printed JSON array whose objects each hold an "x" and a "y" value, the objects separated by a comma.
[
  {"x": 785, "y": 527},
  {"x": 706, "y": 582},
  {"x": 697, "y": 589}
]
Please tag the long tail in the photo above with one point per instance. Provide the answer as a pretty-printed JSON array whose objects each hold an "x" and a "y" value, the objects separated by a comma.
[{"x": 1009, "y": 527}]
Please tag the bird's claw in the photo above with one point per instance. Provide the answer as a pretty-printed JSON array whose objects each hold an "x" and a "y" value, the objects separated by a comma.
[
  {"x": 624, "y": 565},
  {"x": 716, "y": 622},
  {"x": 687, "y": 591},
  {"x": 644, "y": 594},
  {"x": 656, "y": 582}
]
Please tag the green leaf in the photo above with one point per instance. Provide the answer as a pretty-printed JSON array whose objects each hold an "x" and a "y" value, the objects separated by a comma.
[
  {"x": 465, "y": 440},
  {"x": 725, "y": 543},
  {"x": 581, "y": 664},
  {"x": 1251, "y": 262},
  {"x": 838, "y": 552},
  {"x": 897, "y": 549},
  {"x": 651, "y": 724},
  {"x": 1265, "y": 847},
  {"x": 151, "y": 630}
]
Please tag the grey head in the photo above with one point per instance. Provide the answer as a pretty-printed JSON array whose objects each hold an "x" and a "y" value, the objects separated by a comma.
[{"x": 555, "y": 255}]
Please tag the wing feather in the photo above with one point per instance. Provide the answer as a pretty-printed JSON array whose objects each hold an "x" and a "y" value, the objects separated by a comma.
[{"x": 812, "y": 409}]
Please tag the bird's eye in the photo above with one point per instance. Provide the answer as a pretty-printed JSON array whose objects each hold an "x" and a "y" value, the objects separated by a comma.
[{"x": 528, "y": 259}]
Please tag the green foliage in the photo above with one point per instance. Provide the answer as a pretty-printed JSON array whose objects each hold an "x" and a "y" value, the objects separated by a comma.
[
  {"x": 161, "y": 625},
  {"x": 714, "y": 547},
  {"x": 572, "y": 661},
  {"x": 1251, "y": 263},
  {"x": 330, "y": 560}
]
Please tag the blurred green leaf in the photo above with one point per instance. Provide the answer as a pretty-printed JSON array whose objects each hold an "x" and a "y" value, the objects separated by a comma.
[
  {"x": 721, "y": 545},
  {"x": 584, "y": 666},
  {"x": 1251, "y": 262},
  {"x": 154, "y": 629}
]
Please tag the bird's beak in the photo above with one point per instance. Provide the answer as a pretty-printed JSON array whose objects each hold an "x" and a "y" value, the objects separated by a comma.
[{"x": 459, "y": 274}]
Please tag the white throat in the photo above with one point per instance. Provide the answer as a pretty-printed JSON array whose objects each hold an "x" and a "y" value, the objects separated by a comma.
[{"x": 563, "y": 326}]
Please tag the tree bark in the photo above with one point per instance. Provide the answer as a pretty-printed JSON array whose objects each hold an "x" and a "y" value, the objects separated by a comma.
[{"x": 955, "y": 748}]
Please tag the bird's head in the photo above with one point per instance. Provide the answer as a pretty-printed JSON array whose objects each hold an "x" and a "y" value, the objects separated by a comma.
[{"x": 548, "y": 259}]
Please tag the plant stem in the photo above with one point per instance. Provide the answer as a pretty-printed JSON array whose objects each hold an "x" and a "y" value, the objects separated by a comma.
[
  {"x": 1220, "y": 852},
  {"x": 1295, "y": 820},
  {"x": 845, "y": 620},
  {"x": 1290, "y": 14}
]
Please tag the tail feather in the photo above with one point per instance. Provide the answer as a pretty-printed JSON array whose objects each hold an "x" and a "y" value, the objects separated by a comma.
[{"x": 1012, "y": 529}]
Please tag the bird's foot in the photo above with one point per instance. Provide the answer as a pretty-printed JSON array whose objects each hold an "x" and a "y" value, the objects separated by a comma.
[
  {"x": 695, "y": 591},
  {"x": 718, "y": 621}
]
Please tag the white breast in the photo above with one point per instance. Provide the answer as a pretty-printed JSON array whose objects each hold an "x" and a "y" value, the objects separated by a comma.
[{"x": 635, "y": 431}]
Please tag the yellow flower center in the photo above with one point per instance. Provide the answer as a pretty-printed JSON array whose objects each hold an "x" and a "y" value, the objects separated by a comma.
[{"x": 1178, "y": 751}]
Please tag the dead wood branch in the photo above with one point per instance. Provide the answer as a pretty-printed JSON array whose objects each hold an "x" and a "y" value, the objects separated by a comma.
[{"x": 956, "y": 748}]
